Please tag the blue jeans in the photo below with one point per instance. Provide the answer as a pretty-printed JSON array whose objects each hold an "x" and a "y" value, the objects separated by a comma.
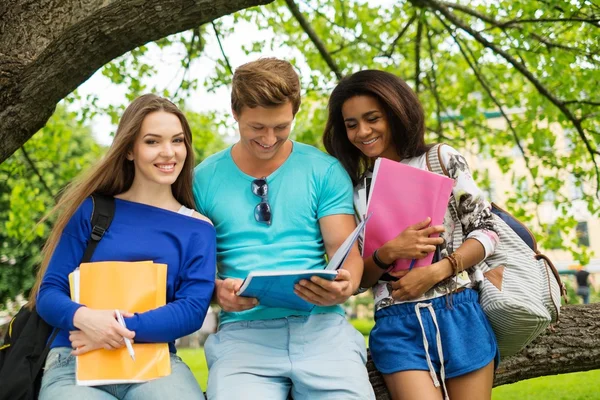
[
  {"x": 584, "y": 292},
  {"x": 58, "y": 382},
  {"x": 319, "y": 356}
]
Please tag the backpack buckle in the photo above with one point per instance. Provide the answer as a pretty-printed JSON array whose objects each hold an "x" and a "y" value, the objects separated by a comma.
[{"x": 97, "y": 232}]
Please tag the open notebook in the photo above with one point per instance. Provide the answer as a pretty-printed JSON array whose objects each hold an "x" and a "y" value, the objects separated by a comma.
[
  {"x": 276, "y": 288},
  {"x": 131, "y": 286}
]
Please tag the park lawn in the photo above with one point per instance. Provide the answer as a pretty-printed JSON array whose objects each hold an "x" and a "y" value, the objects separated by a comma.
[
  {"x": 195, "y": 359},
  {"x": 575, "y": 386}
]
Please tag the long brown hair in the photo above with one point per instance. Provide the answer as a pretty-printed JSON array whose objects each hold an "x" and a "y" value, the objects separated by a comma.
[
  {"x": 401, "y": 105},
  {"x": 114, "y": 173}
]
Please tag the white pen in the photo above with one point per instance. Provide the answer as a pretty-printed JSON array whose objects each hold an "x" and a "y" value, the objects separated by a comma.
[{"x": 127, "y": 340}]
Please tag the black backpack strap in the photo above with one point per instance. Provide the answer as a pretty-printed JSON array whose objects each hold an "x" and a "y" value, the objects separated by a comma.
[
  {"x": 102, "y": 215},
  {"x": 42, "y": 360}
]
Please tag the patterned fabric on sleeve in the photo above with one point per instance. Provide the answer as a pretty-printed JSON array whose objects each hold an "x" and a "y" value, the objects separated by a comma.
[{"x": 474, "y": 212}]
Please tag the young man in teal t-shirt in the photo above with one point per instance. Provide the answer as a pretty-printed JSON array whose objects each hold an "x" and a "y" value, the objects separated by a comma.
[{"x": 277, "y": 204}]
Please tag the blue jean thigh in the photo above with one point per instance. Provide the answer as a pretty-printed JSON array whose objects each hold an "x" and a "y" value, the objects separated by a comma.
[
  {"x": 58, "y": 382},
  {"x": 312, "y": 357}
]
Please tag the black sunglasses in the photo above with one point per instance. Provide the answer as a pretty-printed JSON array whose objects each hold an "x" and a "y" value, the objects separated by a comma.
[{"x": 262, "y": 211}]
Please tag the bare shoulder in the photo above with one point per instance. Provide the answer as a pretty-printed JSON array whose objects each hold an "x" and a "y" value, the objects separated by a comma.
[{"x": 202, "y": 217}]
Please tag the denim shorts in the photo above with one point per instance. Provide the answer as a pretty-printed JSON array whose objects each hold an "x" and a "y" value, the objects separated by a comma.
[
  {"x": 467, "y": 341},
  {"x": 58, "y": 382},
  {"x": 320, "y": 356}
]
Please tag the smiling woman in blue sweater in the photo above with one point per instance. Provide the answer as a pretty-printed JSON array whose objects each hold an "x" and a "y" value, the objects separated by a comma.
[{"x": 148, "y": 169}]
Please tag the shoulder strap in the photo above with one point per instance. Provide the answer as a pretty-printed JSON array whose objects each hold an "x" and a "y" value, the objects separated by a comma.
[
  {"x": 102, "y": 215},
  {"x": 434, "y": 160},
  {"x": 103, "y": 212},
  {"x": 434, "y": 164}
]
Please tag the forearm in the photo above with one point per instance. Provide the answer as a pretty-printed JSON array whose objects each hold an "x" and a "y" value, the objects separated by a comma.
[
  {"x": 354, "y": 264},
  {"x": 180, "y": 317},
  {"x": 371, "y": 274},
  {"x": 470, "y": 253},
  {"x": 56, "y": 308},
  {"x": 168, "y": 323}
]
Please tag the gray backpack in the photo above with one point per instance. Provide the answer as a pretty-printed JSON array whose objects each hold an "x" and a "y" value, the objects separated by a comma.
[{"x": 519, "y": 288}]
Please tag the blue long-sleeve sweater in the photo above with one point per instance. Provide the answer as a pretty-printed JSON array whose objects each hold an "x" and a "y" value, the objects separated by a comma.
[{"x": 138, "y": 233}]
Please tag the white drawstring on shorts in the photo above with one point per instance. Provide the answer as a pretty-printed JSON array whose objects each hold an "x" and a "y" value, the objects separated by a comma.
[{"x": 438, "y": 340}]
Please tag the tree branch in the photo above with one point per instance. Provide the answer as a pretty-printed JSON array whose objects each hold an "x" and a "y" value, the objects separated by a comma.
[
  {"x": 441, "y": 137},
  {"x": 37, "y": 172},
  {"x": 42, "y": 61},
  {"x": 392, "y": 48},
  {"x": 502, "y": 25},
  {"x": 588, "y": 102},
  {"x": 488, "y": 90},
  {"x": 314, "y": 38},
  {"x": 221, "y": 47},
  {"x": 188, "y": 61},
  {"x": 468, "y": 10},
  {"x": 418, "y": 53},
  {"x": 433, "y": 84},
  {"x": 525, "y": 72},
  {"x": 592, "y": 21}
]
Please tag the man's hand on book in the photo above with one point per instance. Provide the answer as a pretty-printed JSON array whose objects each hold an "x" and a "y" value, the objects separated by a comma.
[
  {"x": 322, "y": 292},
  {"x": 413, "y": 243},
  {"x": 226, "y": 297},
  {"x": 101, "y": 328}
]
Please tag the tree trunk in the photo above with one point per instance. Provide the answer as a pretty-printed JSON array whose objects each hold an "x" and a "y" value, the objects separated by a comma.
[
  {"x": 571, "y": 345},
  {"x": 49, "y": 47}
]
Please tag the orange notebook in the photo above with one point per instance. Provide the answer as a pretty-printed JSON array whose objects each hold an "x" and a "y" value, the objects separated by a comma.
[{"x": 130, "y": 286}]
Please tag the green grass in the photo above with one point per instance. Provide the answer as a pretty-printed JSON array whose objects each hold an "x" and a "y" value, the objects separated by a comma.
[
  {"x": 364, "y": 326},
  {"x": 575, "y": 386},
  {"x": 195, "y": 359}
]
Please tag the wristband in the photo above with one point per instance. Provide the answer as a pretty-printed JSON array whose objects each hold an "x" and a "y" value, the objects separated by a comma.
[{"x": 380, "y": 263}]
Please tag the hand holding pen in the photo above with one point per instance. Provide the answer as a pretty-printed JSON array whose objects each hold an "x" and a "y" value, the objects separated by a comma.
[
  {"x": 127, "y": 340},
  {"x": 97, "y": 329}
]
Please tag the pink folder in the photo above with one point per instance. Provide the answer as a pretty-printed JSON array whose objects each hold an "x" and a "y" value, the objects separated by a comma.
[{"x": 401, "y": 196}]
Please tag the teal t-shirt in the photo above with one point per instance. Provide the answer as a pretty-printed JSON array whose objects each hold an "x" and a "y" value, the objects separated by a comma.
[{"x": 308, "y": 186}]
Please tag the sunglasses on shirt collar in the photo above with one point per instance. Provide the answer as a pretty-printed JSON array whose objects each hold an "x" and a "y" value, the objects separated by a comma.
[{"x": 262, "y": 211}]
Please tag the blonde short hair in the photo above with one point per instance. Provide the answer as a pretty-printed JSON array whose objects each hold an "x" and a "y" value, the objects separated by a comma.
[{"x": 266, "y": 82}]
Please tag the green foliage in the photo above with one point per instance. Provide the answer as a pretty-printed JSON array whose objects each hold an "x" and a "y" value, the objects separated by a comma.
[
  {"x": 206, "y": 138},
  {"x": 530, "y": 64},
  {"x": 34, "y": 176}
]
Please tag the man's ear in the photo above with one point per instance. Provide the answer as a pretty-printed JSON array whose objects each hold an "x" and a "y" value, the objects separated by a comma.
[{"x": 235, "y": 115}]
